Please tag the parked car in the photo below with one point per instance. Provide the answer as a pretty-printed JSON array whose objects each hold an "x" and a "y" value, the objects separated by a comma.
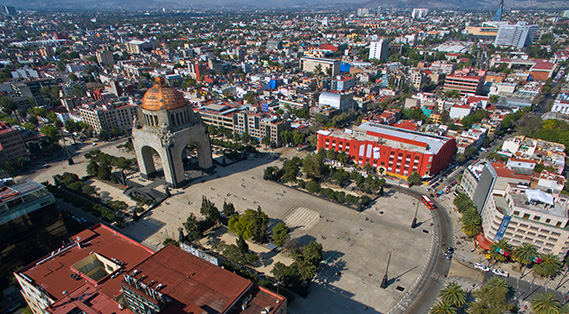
[
  {"x": 500, "y": 272},
  {"x": 481, "y": 267}
]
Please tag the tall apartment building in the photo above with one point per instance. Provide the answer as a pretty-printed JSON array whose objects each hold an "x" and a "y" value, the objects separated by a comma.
[
  {"x": 105, "y": 58},
  {"x": 12, "y": 145},
  {"x": 465, "y": 81},
  {"x": 418, "y": 14},
  {"x": 394, "y": 150},
  {"x": 139, "y": 46},
  {"x": 517, "y": 35},
  {"x": 106, "y": 116},
  {"x": 379, "y": 49},
  {"x": 327, "y": 66},
  {"x": 30, "y": 226},
  {"x": 102, "y": 271}
]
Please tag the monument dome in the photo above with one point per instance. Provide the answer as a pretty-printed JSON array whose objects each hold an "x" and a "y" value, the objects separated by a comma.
[{"x": 161, "y": 97}]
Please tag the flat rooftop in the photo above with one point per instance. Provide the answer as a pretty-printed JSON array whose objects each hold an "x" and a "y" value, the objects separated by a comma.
[
  {"x": 433, "y": 142},
  {"x": 197, "y": 284},
  {"x": 53, "y": 272},
  {"x": 547, "y": 205}
]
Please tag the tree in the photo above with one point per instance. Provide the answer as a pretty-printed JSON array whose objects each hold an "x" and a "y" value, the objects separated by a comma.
[
  {"x": 280, "y": 233},
  {"x": 471, "y": 228},
  {"x": 229, "y": 210},
  {"x": 266, "y": 140},
  {"x": 92, "y": 168},
  {"x": 51, "y": 132},
  {"x": 453, "y": 294},
  {"x": 453, "y": 94},
  {"x": 209, "y": 210},
  {"x": 546, "y": 303},
  {"x": 242, "y": 245},
  {"x": 104, "y": 172},
  {"x": 442, "y": 308},
  {"x": 462, "y": 202},
  {"x": 193, "y": 228},
  {"x": 524, "y": 253},
  {"x": 500, "y": 245},
  {"x": 549, "y": 265},
  {"x": 491, "y": 298},
  {"x": 313, "y": 165},
  {"x": 252, "y": 224},
  {"x": 414, "y": 178}
]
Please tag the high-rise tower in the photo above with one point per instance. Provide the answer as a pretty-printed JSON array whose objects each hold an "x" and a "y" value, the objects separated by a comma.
[{"x": 498, "y": 15}]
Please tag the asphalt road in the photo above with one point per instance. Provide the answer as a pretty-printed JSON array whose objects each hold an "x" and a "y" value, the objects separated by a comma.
[{"x": 426, "y": 291}]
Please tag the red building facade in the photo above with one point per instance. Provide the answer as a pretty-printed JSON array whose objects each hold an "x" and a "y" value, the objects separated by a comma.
[{"x": 398, "y": 152}]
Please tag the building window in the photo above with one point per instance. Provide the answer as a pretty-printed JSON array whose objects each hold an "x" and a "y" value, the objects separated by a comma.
[
  {"x": 516, "y": 213},
  {"x": 526, "y": 216},
  {"x": 536, "y": 218}
]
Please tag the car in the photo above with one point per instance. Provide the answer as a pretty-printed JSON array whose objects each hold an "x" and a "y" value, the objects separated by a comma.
[
  {"x": 500, "y": 272},
  {"x": 428, "y": 189},
  {"x": 450, "y": 250},
  {"x": 448, "y": 256},
  {"x": 481, "y": 267}
]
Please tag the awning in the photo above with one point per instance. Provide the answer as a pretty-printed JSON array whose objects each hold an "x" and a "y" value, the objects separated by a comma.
[{"x": 482, "y": 242}]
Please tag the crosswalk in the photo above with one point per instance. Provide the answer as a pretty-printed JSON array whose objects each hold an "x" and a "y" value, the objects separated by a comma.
[{"x": 302, "y": 218}]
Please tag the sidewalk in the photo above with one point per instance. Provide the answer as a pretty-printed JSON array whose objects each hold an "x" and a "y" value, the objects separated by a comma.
[{"x": 467, "y": 254}]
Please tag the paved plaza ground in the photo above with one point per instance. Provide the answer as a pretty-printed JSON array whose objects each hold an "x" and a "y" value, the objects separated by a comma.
[{"x": 349, "y": 283}]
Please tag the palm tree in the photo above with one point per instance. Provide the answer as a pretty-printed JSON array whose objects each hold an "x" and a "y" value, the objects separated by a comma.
[
  {"x": 471, "y": 228},
  {"x": 502, "y": 244},
  {"x": 496, "y": 283},
  {"x": 524, "y": 253},
  {"x": 546, "y": 303},
  {"x": 460, "y": 200},
  {"x": 442, "y": 308},
  {"x": 549, "y": 265},
  {"x": 453, "y": 295}
]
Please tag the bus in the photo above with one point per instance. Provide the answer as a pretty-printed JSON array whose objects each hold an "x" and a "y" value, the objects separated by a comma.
[{"x": 428, "y": 202}]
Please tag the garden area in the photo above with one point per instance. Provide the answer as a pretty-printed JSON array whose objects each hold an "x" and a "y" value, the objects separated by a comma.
[{"x": 315, "y": 175}]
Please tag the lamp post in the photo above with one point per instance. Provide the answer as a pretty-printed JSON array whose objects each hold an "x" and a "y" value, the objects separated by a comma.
[
  {"x": 414, "y": 223},
  {"x": 384, "y": 280}
]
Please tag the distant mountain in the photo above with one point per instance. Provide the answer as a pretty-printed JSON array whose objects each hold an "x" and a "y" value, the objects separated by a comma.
[{"x": 111, "y": 5}]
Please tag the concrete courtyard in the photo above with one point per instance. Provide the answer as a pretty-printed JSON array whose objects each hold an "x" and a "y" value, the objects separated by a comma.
[{"x": 360, "y": 242}]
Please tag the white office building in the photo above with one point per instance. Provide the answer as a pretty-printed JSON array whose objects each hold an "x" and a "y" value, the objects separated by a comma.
[
  {"x": 379, "y": 50},
  {"x": 517, "y": 35}
]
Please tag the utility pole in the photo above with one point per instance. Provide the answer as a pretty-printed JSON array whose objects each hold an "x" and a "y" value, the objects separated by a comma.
[
  {"x": 414, "y": 223},
  {"x": 384, "y": 280}
]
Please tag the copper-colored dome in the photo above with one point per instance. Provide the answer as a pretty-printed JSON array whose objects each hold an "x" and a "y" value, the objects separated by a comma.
[{"x": 161, "y": 97}]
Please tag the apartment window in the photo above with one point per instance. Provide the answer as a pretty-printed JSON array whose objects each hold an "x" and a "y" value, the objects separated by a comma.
[
  {"x": 526, "y": 216},
  {"x": 558, "y": 224},
  {"x": 536, "y": 218},
  {"x": 547, "y": 220},
  {"x": 516, "y": 212}
]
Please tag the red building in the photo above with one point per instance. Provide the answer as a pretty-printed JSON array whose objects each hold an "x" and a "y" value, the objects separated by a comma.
[
  {"x": 465, "y": 81},
  {"x": 397, "y": 151}
]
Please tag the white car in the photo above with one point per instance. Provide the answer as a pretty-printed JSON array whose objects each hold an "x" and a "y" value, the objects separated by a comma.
[
  {"x": 500, "y": 272},
  {"x": 481, "y": 267}
]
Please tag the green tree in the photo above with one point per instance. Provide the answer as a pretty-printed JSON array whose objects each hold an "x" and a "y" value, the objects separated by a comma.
[
  {"x": 453, "y": 294},
  {"x": 229, "y": 210},
  {"x": 524, "y": 253},
  {"x": 193, "y": 228},
  {"x": 442, "y": 308},
  {"x": 546, "y": 303},
  {"x": 280, "y": 233},
  {"x": 503, "y": 245},
  {"x": 549, "y": 265},
  {"x": 92, "y": 168},
  {"x": 453, "y": 94},
  {"x": 209, "y": 210},
  {"x": 266, "y": 140},
  {"x": 313, "y": 165},
  {"x": 104, "y": 172},
  {"x": 252, "y": 224},
  {"x": 491, "y": 298},
  {"x": 414, "y": 178},
  {"x": 51, "y": 132},
  {"x": 242, "y": 245}
]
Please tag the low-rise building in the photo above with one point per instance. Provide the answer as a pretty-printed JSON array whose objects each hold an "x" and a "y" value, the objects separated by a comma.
[
  {"x": 391, "y": 150},
  {"x": 327, "y": 66},
  {"x": 549, "y": 153}
]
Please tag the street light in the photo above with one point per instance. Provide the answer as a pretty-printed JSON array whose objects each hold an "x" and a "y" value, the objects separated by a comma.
[
  {"x": 384, "y": 280},
  {"x": 414, "y": 223}
]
